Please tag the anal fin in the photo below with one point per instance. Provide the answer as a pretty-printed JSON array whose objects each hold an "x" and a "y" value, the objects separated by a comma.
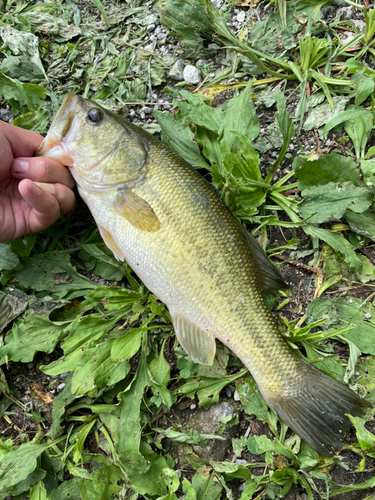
[{"x": 198, "y": 344}]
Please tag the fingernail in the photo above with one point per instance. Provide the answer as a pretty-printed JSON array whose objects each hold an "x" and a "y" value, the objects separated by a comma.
[
  {"x": 20, "y": 166},
  {"x": 33, "y": 189},
  {"x": 50, "y": 188}
]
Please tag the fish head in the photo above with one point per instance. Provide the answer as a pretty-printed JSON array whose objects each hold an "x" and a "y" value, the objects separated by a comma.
[{"x": 100, "y": 148}]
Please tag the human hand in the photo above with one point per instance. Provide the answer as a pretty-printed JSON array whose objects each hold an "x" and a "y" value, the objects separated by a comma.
[{"x": 34, "y": 192}]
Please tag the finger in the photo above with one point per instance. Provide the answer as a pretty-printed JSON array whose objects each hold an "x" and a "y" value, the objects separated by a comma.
[
  {"x": 42, "y": 170},
  {"x": 23, "y": 142},
  {"x": 47, "y": 207}
]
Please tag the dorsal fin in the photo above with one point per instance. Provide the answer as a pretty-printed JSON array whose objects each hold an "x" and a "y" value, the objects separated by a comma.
[
  {"x": 198, "y": 344},
  {"x": 268, "y": 276}
]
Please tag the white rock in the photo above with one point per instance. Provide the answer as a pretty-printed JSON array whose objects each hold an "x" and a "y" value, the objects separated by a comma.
[
  {"x": 241, "y": 16},
  {"x": 176, "y": 72},
  {"x": 192, "y": 75}
]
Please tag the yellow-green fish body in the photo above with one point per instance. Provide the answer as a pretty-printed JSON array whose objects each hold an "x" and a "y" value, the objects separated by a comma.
[{"x": 157, "y": 213}]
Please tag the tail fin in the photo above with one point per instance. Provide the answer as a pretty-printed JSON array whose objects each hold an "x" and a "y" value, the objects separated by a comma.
[{"x": 318, "y": 412}]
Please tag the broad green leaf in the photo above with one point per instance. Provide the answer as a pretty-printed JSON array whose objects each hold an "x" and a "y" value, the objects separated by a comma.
[
  {"x": 126, "y": 347},
  {"x": 112, "y": 298},
  {"x": 60, "y": 402},
  {"x": 362, "y": 223},
  {"x": 239, "y": 117},
  {"x": 365, "y": 438},
  {"x": 251, "y": 399},
  {"x": 22, "y": 68},
  {"x": 200, "y": 114},
  {"x": 365, "y": 88},
  {"x": 80, "y": 437},
  {"x": 159, "y": 368},
  {"x": 322, "y": 114},
  {"x": 21, "y": 43},
  {"x": 327, "y": 168},
  {"x": 343, "y": 311},
  {"x": 369, "y": 483},
  {"x": 208, "y": 389},
  {"x": 127, "y": 421},
  {"x": 99, "y": 484},
  {"x": 180, "y": 139},
  {"x": 22, "y": 486},
  {"x": 53, "y": 273},
  {"x": 188, "y": 438},
  {"x": 95, "y": 369},
  {"x": 8, "y": 260},
  {"x": 38, "y": 492},
  {"x": 27, "y": 93},
  {"x": 205, "y": 487},
  {"x": 359, "y": 130},
  {"x": 259, "y": 444},
  {"x": 34, "y": 334},
  {"x": 323, "y": 203},
  {"x": 336, "y": 241},
  {"x": 366, "y": 377},
  {"x": 345, "y": 116},
  {"x": 188, "y": 490},
  {"x": 19, "y": 463},
  {"x": 68, "y": 490},
  {"x": 368, "y": 169},
  {"x": 106, "y": 265}
]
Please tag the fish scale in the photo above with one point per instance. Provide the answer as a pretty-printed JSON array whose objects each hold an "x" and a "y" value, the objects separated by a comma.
[{"x": 157, "y": 213}]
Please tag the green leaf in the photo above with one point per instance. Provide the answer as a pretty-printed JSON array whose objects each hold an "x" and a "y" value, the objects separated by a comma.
[
  {"x": 34, "y": 334},
  {"x": 322, "y": 114},
  {"x": 326, "y": 169},
  {"x": 323, "y": 203},
  {"x": 107, "y": 266},
  {"x": 195, "y": 110},
  {"x": 95, "y": 369},
  {"x": 359, "y": 130},
  {"x": 8, "y": 260},
  {"x": 38, "y": 492},
  {"x": 345, "y": 116},
  {"x": 100, "y": 484},
  {"x": 208, "y": 389},
  {"x": 365, "y": 88},
  {"x": 205, "y": 486},
  {"x": 362, "y": 223},
  {"x": 159, "y": 368},
  {"x": 60, "y": 402},
  {"x": 336, "y": 241},
  {"x": 127, "y": 346},
  {"x": 24, "y": 485},
  {"x": 21, "y": 43},
  {"x": 180, "y": 139},
  {"x": 68, "y": 490},
  {"x": 19, "y": 463},
  {"x": 259, "y": 444},
  {"x": 239, "y": 117},
  {"x": 343, "y": 311},
  {"x": 365, "y": 438},
  {"x": 188, "y": 438},
  {"x": 368, "y": 169},
  {"x": 52, "y": 273}
]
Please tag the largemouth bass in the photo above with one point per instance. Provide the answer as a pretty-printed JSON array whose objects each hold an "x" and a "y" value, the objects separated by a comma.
[{"x": 156, "y": 212}]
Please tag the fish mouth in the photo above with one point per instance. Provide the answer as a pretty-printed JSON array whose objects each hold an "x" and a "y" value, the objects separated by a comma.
[{"x": 64, "y": 124}]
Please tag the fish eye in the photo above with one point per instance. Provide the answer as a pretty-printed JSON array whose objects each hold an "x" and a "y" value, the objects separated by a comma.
[{"x": 94, "y": 115}]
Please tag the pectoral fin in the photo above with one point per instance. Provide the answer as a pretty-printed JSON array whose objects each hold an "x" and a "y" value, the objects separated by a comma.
[
  {"x": 198, "y": 344},
  {"x": 137, "y": 211},
  {"x": 111, "y": 244}
]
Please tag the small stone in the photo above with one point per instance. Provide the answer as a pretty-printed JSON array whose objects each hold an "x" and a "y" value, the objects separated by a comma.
[
  {"x": 228, "y": 392},
  {"x": 154, "y": 96},
  {"x": 241, "y": 16},
  {"x": 156, "y": 107},
  {"x": 218, "y": 3},
  {"x": 142, "y": 115},
  {"x": 160, "y": 36},
  {"x": 240, "y": 461},
  {"x": 153, "y": 38},
  {"x": 345, "y": 13},
  {"x": 236, "y": 396},
  {"x": 231, "y": 80},
  {"x": 167, "y": 106},
  {"x": 63, "y": 375},
  {"x": 213, "y": 46},
  {"x": 192, "y": 75},
  {"x": 131, "y": 113},
  {"x": 151, "y": 27},
  {"x": 242, "y": 486},
  {"x": 193, "y": 406},
  {"x": 179, "y": 473},
  {"x": 60, "y": 387},
  {"x": 158, "y": 30},
  {"x": 165, "y": 52},
  {"x": 368, "y": 315},
  {"x": 176, "y": 72},
  {"x": 146, "y": 110},
  {"x": 361, "y": 25}
]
